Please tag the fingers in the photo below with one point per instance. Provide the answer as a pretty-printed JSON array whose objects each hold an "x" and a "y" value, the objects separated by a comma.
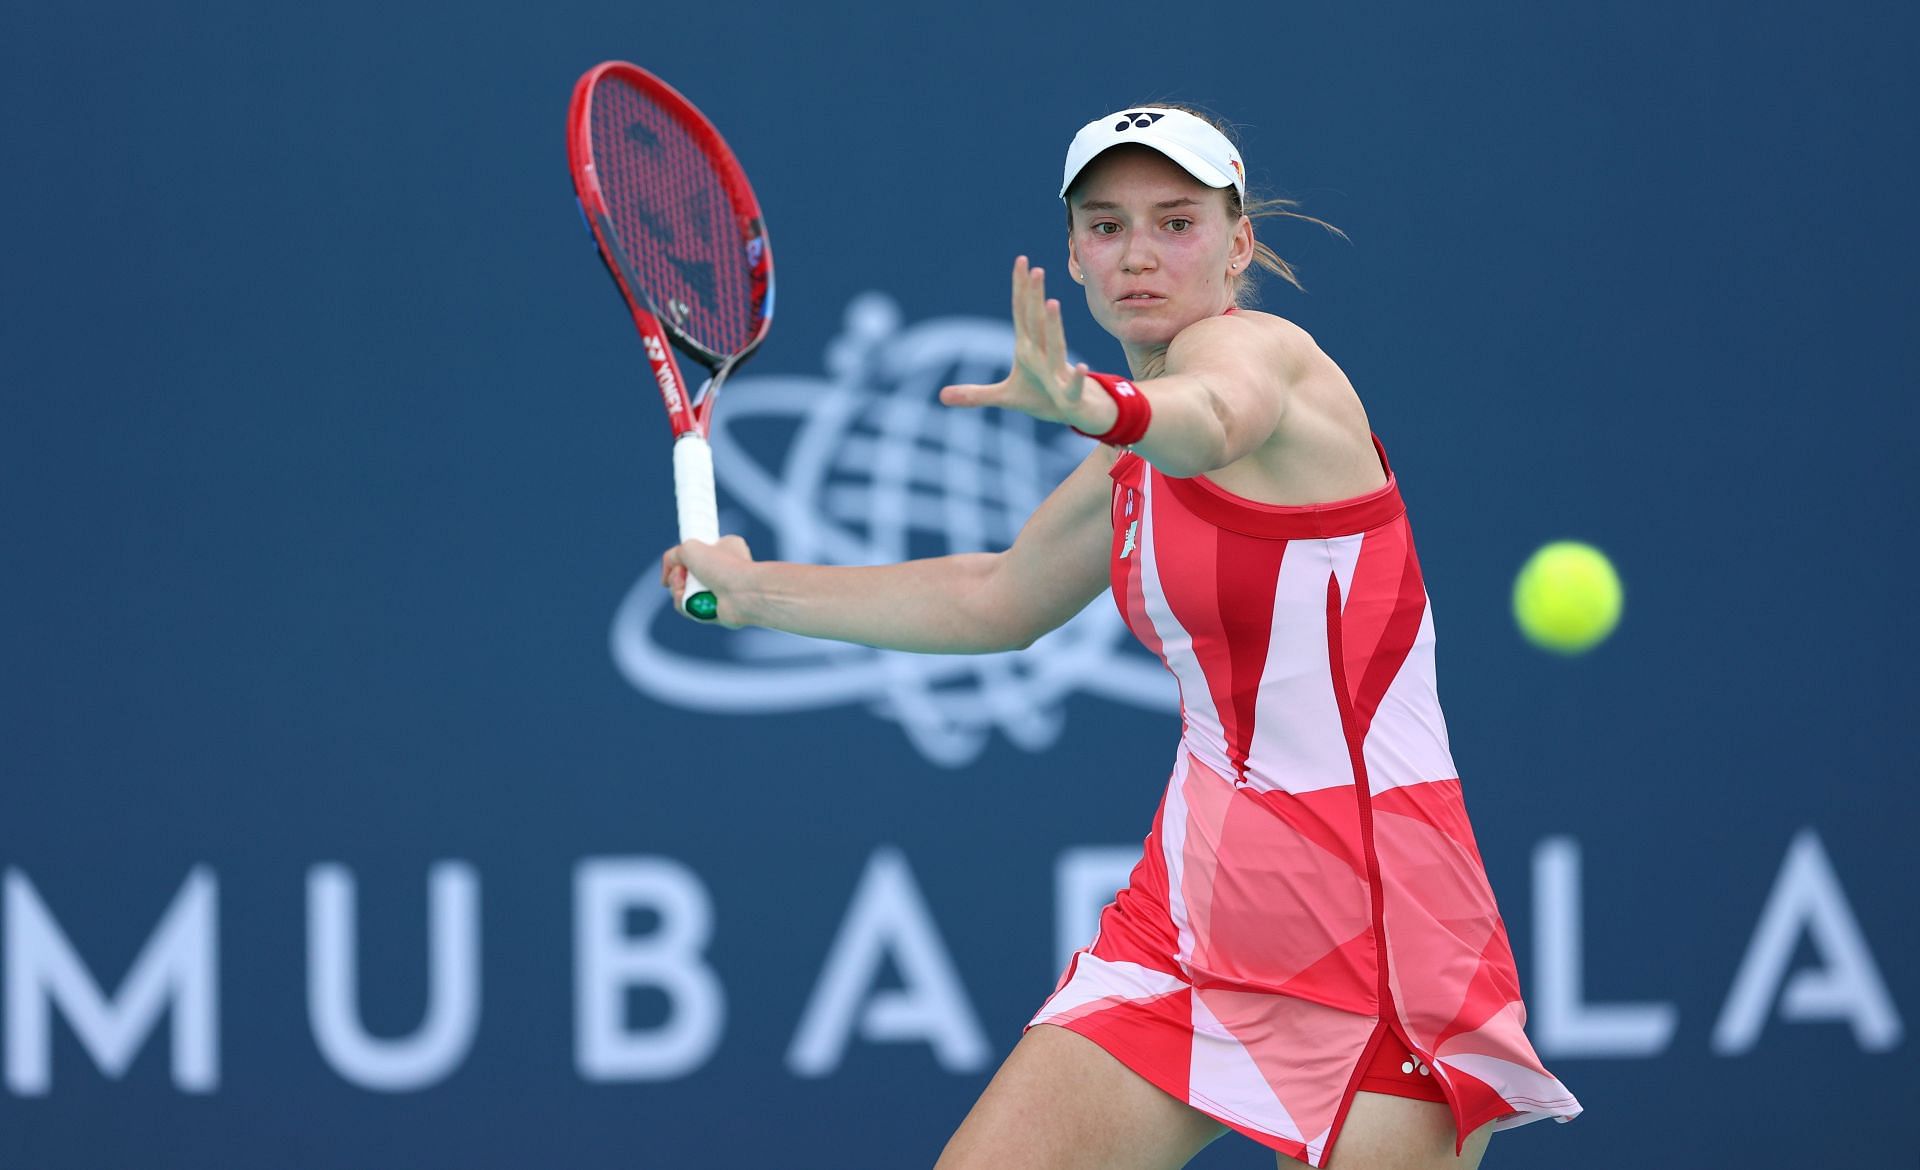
[
  {"x": 1037, "y": 309},
  {"x": 1055, "y": 338},
  {"x": 1021, "y": 282},
  {"x": 1038, "y": 383},
  {"x": 1029, "y": 302},
  {"x": 673, "y": 574},
  {"x": 1080, "y": 375},
  {"x": 711, "y": 560}
]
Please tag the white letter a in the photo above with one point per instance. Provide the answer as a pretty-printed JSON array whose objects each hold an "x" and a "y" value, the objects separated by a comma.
[
  {"x": 1806, "y": 899},
  {"x": 888, "y": 918}
]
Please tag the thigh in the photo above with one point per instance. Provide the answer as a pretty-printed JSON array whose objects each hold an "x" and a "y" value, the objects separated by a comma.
[
  {"x": 1384, "y": 1132},
  {"x": 1060, "y": 1102}
]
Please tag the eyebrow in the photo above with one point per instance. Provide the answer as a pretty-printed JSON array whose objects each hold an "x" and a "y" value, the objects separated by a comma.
[{"x": 1164, "y": 204}]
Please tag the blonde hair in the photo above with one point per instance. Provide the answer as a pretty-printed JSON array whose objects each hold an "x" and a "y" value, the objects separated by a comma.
[{"x": 1255, "y": 208}]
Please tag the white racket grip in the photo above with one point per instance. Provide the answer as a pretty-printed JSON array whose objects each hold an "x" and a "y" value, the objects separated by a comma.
[{"x": 693, "y": 497}]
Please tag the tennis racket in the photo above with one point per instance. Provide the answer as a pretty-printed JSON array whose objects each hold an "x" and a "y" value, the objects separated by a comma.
[{"x": 681, "y": 234}]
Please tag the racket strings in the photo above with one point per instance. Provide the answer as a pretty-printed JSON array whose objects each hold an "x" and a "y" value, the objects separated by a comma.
[{"x": 676, "y": 222}]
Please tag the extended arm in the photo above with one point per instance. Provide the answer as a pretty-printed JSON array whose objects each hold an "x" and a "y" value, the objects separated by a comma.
[
  {"x": 1221, "y": 396},
  {"x": 970, "y": 603},
  {"x": 1218, "y": 392}
]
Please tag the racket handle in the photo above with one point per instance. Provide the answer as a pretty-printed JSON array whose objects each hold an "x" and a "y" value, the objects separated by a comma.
[{"x": 699, "y": 515}]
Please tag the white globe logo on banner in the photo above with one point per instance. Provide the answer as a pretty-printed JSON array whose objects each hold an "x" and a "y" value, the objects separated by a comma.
[{"x": 862, "y": 467}]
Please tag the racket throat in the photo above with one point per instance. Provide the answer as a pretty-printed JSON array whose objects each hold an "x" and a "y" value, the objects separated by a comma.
[{"x": 702, "y": 401}]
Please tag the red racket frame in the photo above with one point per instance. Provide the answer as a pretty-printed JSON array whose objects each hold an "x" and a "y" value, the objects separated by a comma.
[{"x": 686, "y": 412}]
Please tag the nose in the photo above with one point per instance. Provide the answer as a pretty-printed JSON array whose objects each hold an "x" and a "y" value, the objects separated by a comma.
[{"x": 1136, "y": 254}]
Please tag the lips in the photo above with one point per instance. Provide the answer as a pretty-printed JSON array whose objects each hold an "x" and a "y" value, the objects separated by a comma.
[{"x": 1139, "y": 297}]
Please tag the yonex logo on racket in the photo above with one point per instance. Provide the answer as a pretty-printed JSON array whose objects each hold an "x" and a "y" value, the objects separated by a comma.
[
  {"x": 1137, "y": 120},
  {"x": 663, "y": 373}
]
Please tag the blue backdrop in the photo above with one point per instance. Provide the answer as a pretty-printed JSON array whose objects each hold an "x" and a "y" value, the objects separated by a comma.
[{"x": 357, "y": 814}]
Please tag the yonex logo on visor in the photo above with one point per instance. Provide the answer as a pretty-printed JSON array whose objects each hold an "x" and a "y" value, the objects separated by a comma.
[{"x": 1190, "y": 142}]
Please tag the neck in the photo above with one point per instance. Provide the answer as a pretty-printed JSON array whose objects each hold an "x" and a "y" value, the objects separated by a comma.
[{"x": 1144, "y": 363}]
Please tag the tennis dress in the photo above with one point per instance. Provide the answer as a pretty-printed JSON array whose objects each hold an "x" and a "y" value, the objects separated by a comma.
[{"x": 1311, "y": 888}]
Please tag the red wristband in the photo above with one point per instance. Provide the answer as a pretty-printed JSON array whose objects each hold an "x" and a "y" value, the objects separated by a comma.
[{"x": 1130, "y": 425}]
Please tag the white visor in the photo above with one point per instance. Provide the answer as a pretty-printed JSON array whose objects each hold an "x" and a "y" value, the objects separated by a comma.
[{"x": 1197, "y": 147}]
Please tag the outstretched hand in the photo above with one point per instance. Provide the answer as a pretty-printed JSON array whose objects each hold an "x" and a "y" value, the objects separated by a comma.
[{"x": 1041, "y": 383}]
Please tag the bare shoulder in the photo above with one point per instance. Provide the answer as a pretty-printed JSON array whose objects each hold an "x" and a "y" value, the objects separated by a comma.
[
  {"x": 1322, "y": 448},
  {"x": 1272, "y": 342}
]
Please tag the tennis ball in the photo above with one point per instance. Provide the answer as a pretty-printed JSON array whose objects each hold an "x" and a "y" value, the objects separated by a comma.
[{"x": 1567, "y": 597}]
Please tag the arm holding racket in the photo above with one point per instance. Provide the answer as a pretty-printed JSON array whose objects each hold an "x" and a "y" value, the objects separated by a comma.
[{"x": 970, "y": 603}]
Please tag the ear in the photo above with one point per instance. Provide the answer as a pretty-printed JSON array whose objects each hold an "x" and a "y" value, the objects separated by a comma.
[
  {"x": 1073, "y": 263},
  {"x": 1240, "y": 251}
]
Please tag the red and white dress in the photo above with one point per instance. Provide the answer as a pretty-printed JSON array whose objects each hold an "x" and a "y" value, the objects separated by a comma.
[{"x": 1311, "y": 891}]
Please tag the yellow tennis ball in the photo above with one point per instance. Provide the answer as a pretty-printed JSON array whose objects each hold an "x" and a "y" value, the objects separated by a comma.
[{"x": 1567, "y": 597}]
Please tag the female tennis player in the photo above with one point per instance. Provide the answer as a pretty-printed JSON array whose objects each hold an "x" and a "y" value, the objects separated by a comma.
[{"x": 1308, "y": 951}]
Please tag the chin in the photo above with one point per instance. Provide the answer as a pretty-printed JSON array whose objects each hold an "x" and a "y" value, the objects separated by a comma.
[{"x": 1141, "y": 333}]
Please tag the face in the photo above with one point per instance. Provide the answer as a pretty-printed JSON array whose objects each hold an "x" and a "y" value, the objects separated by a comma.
[{"x": 1153, "y": 245}]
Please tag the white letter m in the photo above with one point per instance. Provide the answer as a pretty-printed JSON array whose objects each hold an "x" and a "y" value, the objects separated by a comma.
[{"x": 177, "y": 966}]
